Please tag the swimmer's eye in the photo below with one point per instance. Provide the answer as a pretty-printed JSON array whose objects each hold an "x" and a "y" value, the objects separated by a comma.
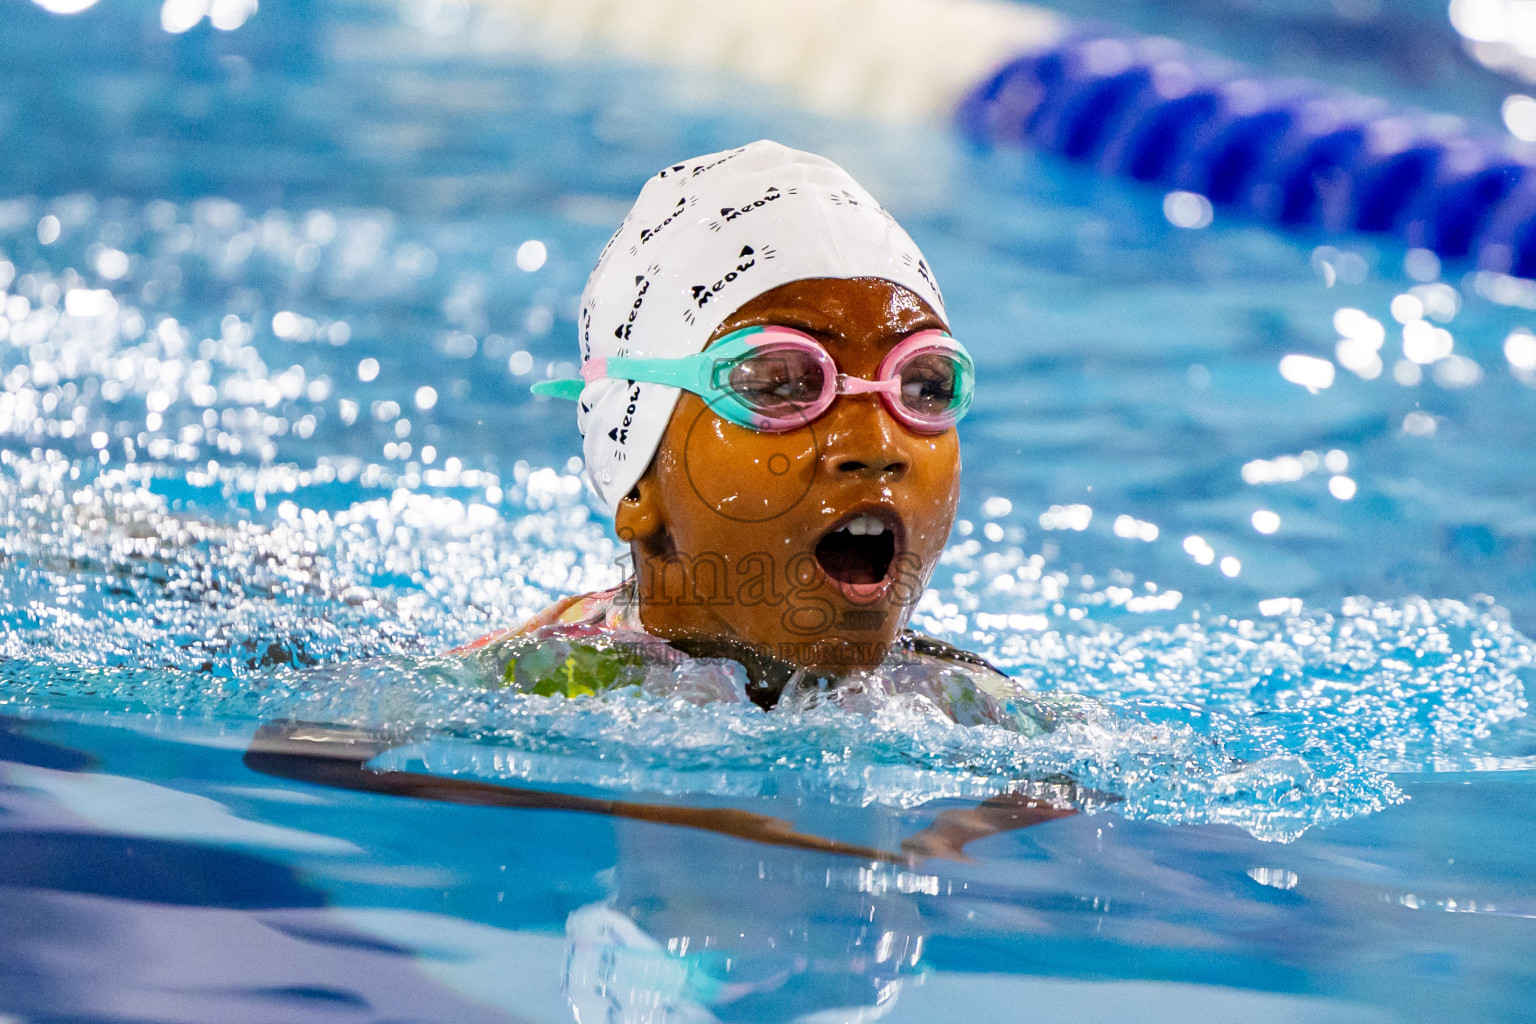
[
  {"x": 929, "y": 383},
  {"x": 777, "y": 379}
]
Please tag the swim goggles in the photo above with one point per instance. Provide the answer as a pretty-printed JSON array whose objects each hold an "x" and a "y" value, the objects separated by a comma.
[{"x": 774, "y": 379}]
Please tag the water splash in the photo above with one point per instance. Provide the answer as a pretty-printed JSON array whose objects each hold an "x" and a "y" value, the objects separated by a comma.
[{"x": 113, "y": 602}]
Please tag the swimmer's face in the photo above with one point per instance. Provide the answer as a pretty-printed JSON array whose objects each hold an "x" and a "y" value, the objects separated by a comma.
[{"x": 811, "y": 545}]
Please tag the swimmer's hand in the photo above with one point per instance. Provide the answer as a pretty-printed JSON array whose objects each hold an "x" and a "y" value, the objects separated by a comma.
[{"x": 954, "y": 828}]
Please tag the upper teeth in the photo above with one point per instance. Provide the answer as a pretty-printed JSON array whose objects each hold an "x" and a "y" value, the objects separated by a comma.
[{"x": 865, "y": 525}]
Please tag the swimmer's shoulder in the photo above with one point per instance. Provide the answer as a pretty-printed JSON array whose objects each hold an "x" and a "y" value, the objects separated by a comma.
[
  {"x": 987, "y": 693},
  {"x": 913, "y": 642},
  {"x": 601, "y": 607}
]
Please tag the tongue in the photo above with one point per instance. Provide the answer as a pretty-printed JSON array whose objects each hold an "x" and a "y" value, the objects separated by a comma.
[{"x": 851, "y": 558}]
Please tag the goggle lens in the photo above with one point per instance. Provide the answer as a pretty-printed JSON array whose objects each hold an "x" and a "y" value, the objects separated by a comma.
[
  {"x": 931, "y": 382},
  {"x": 779, "y": 380}
]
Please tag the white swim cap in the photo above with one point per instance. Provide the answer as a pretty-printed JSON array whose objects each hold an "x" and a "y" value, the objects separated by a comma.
[{"x": 705, "y": 237}]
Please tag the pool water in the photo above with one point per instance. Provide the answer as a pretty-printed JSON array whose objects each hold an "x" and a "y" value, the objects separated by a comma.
[{"x": 273, "y": 298}]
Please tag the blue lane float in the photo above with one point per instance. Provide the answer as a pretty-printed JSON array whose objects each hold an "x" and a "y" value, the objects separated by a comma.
[{"x": 1288, "y": 152}]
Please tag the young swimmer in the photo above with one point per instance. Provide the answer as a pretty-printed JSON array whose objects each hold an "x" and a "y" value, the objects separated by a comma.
[{"x": 768, "y": 400}]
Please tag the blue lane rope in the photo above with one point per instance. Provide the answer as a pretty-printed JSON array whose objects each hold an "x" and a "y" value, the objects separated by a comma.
[{"x": 1289, "y": 152}]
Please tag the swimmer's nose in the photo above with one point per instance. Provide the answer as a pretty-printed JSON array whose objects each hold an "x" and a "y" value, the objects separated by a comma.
[
  {"x": 879, "y": 467},
  {"x": 865, "y": 441}
]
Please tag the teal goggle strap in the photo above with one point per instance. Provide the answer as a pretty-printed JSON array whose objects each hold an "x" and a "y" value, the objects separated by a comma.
[{"x": 695, "y": 373}]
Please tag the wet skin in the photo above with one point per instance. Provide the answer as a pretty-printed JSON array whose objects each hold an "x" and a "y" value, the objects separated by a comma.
[{"x": 725, "y": 524}]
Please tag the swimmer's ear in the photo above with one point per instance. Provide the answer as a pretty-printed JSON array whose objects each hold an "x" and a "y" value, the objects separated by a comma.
[{"x": 638, "y": 519}]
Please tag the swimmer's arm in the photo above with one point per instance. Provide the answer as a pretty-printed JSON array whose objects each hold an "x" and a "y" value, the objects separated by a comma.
[{"x": 337, "y": 756}]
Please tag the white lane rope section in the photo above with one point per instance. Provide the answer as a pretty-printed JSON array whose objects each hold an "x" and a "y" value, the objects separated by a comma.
[{"x": 898, "y": 60}]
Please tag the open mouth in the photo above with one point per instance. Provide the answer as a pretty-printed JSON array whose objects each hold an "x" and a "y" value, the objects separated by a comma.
[{"x": 859, "y": 550}]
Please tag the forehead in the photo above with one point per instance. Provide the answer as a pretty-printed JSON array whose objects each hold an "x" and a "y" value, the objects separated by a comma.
[{"x": 855, "y": 311}]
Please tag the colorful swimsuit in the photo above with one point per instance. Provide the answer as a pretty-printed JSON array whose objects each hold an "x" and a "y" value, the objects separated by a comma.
[{"x": 594, "y": 643}]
